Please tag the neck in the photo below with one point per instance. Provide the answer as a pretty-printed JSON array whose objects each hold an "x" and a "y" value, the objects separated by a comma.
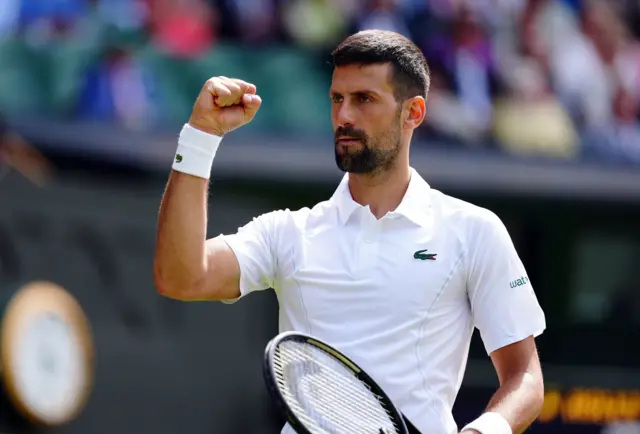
[{"x": 382, "y": 191}]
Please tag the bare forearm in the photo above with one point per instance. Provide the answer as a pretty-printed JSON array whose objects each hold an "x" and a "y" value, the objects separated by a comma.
[
  {"x": 180, "y": 258},
  {"x": 182, "y": 262},
  {"x": 519, "y": 400}
]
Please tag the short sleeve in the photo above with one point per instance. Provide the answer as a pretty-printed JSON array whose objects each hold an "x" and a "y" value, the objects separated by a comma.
[
  {"x": 255, "y": 247},
  {"x": 503, "y": 303}
]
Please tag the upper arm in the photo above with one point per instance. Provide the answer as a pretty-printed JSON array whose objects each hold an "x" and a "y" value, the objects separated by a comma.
[
  {"x": 222, "y": 275},
  {"x": 503, "y": 304},
  {"x": 246, "y": 261}
]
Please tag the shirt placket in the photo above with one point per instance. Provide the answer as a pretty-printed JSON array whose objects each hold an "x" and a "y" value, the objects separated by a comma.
[{"x": 369, "y": 243}]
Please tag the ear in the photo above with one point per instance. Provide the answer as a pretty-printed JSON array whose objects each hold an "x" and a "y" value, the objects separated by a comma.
[{"x": 415, "y": 112}]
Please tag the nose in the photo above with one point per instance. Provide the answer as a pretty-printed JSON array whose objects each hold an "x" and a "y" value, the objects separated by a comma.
[{"x": 344, "y": 115}]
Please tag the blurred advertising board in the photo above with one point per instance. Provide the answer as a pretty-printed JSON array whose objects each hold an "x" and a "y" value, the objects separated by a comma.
[{"x": 569, "y": 411}]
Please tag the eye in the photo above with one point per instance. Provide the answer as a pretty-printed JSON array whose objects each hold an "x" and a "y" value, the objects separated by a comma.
[
  {"x": 336, "y": 98},
  {"x": 364, "y": 98}
]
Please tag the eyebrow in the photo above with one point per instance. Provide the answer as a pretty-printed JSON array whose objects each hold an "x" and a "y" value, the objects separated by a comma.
[{"x": 357, "y": 92}]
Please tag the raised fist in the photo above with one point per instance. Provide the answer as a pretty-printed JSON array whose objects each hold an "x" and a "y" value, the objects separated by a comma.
[{"x": 223, "y": 105}]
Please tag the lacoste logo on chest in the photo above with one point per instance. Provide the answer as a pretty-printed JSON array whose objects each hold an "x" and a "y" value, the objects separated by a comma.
[{"x": 424, "y": 256}]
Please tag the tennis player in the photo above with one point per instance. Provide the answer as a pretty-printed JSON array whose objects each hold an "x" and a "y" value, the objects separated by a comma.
[{"x": 388, "y": 270}]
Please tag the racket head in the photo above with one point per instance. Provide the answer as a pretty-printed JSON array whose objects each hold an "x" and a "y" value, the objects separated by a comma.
[{"x": 274, "y": 368}]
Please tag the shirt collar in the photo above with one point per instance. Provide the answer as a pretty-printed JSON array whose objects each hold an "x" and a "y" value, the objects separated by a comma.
[{"x": 415, "y": 205}]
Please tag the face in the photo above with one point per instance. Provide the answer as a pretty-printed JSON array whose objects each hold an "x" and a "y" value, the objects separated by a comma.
[{"x": 367, "y": 119}]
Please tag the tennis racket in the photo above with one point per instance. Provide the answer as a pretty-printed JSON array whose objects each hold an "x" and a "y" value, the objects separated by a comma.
[{"x": 321, "y": 391}]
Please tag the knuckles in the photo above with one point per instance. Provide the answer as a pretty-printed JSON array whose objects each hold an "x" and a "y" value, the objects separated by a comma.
[
  {"x": 226, "y": 91},
  {"x": 226, "y": 94}
]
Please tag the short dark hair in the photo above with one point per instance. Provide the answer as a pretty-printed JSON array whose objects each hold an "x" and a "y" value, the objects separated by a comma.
[{"x": 369, "y": 47}]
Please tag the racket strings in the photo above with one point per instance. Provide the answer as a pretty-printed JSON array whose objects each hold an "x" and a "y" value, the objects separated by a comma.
[
  {"x": 324, "y": 407},
  {"x": 325, "y": 395}
]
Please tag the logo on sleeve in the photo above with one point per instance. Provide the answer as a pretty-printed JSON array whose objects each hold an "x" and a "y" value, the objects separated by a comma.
[
  {"x": 178, "y": 158},
  {"x": 519, "y": 282}
]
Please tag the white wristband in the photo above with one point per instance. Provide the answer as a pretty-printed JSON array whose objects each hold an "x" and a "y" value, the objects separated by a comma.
[
  {"x": 490, "y": 423},
  {"x": 195, "y": 153}
]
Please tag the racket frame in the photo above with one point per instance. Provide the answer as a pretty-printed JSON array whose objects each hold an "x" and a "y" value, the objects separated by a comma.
[{"x": 276, "y": 394}]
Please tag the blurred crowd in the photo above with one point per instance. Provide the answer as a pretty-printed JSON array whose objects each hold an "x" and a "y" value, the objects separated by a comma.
[{"x": 558, "y": 78}]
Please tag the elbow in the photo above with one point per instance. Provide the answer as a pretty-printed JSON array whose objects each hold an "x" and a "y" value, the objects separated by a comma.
[
  {"x": 163, "y": 286},
  {"x": 166, "y": 290},
  {"x": 193, "y": 283},
  {"x": 174, "y": 287}
]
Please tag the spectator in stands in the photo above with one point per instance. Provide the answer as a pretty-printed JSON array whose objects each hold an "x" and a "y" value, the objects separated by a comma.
[
  {"x": 422, "y": 22},
  {"x": 382, "y": 15},
  {"x": 315, "y": 24},
  {"x": 183, "y": 28},
  {"x": 43, "y": 22},
  {"x": 119, "y": 89},
  {"x": 619, "y": 140},
  {"x": 253, "y": 22},
  {"x": 585, "y": 54},
  {"x": 9, "y": 17},
  {"x": 448, "y": 118},
  {"x": 553, "y": 34},
  {"x": 614, "y": 42},
  {"x": 617, "y": 53},
  {"x": 66, "y": 11},
  {"x": 466, "y": 55},
  {"x": 127, "y": 16},
  {"x": 529, "y": 120}
]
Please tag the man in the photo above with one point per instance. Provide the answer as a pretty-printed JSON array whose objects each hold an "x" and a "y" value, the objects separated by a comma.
[{"x": 388, "y": 270}]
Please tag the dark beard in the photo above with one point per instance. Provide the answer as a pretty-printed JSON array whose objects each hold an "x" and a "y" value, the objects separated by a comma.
[{"x": 371, "y": 158}]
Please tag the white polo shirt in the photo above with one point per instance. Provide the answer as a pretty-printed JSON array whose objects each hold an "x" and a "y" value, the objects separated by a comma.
[{"x": 399, "y": 295}]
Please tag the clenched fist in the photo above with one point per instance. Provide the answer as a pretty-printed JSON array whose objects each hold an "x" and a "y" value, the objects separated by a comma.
[{"x": 223, "y": 105}]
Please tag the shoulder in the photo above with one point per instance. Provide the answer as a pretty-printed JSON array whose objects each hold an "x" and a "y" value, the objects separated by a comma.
[
  {"x": 285, "y": 220},
  {"x": 465, "y": 218},
  {"x": 460, "y": 211}
]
